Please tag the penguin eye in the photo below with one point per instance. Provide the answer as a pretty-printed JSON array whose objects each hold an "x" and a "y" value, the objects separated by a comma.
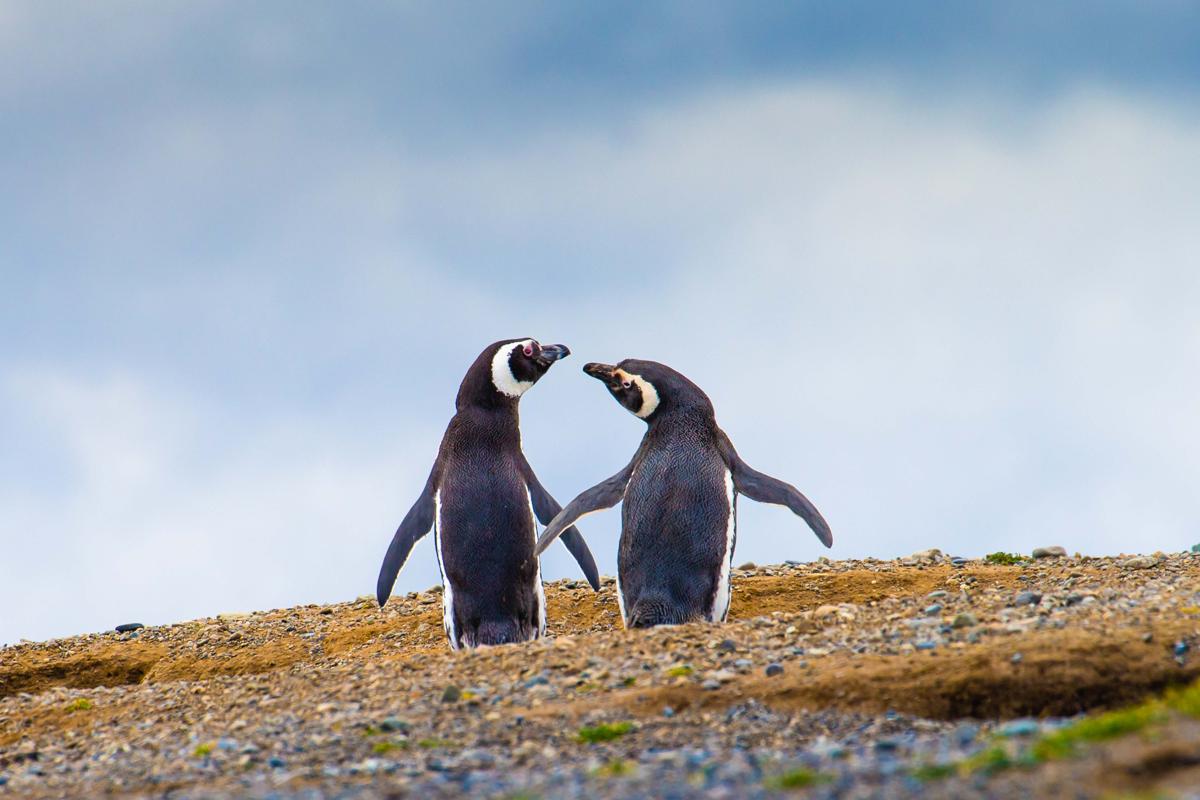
[
  {"x": 627, "y": 384},
  {"x": 528, "y": 350}
]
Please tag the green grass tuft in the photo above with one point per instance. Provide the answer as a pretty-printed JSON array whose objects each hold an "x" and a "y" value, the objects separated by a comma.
[
  {"x": 934, "y": 772},
  {"x": 380, "y": 748},
  {"x": 79, "y": 704},
  {"x": 1064, "y": 741},
  {"x": 616, "y": 768},
  {"x": 203, "y": 750},
  {"x": 680, "y": 671},
  {"x": 801, "y": 778},
  {"x": 603, "y": 732},
  {"x": 989, "y": 762},
  {"x": 1001, "y": 557}
]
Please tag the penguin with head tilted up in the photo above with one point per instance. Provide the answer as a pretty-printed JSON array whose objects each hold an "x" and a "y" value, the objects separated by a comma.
[
  {"x": 481, "y": 501},
  {"x": 679, "y": 518}
]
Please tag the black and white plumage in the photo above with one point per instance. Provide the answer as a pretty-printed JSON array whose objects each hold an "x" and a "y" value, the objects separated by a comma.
[
  {"x": 679, "y": 518},
  {"x": 481, "y": 501}
]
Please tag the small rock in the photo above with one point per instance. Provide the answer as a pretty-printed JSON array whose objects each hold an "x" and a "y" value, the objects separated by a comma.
[
  {"x": 926, "y": 645},
  {"x": 749, "y": 565},
  {"x": 932, "y": 554},
  {"x": 668, "y": 712},
  {"x": 774, "y": 669},
  {"x": 451, "y": 694},
  {"x": 727, "y": 646},
  {"x": 937, "y": 594},
  {"x": 933, "y": 610},
  {"x": 1016, "y": 658},
  {"x": 1054, "y": 551},
  {"x": 128, "y": 626},
  {"x": 743, "y": 663},
  {"x": 392, "y": 724},
  {"x": 710, "y": 685},
  {"x": 965, "y": 620},
  {"x": 825, "y": 611},
  {"x": 886, "y": 745},
  {"x": 1181, "y": 648},
  {"x": 1139, "y": 562},
  {"x": 1019, "y": 727},
  {"x": 958, "y": 561},
  {"x": 1027, "y": 598}
]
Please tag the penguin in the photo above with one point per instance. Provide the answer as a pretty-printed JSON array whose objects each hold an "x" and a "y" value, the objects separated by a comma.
[
  {"x": 481, "y": 501},
  {"x": 679, "y": 518}
]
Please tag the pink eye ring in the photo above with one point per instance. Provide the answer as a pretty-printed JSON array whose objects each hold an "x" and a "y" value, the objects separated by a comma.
[
  {"x": 627, "y": 384},
  {"x": 528, "y": 350}
]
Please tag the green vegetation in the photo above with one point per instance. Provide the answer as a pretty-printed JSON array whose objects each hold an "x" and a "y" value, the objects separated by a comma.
[
  {"x": 680, "y": 671},
  {"x": 1007, "y": 559},
  {"x": 79, "y": 704},
  {"x": 797, "y": 779},
  {"x": 934, "y": 772},
  {"x": 1067, "y": 741},
  {"x": 1063, "y": 742},
  {"x": 203, "y": 750},
  {"x": 603, "y": 732},
  {"x": 380, "y": 748},
  {"x": 616, "y": 768},
  {"x": 434, "y": 744}
]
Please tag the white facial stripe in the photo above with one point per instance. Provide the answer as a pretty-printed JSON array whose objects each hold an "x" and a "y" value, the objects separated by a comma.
[
  {"x": 649, "y": 396},
  {"x": 502, "y": 376}
]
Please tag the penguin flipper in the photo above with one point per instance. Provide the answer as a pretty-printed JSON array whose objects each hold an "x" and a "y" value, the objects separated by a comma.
[
  {"x": 546, "y": 508},
  {"x": 416, "y": 524},
  {"x": 765, "y": 489},
  {"x": 605, "y": 494}
]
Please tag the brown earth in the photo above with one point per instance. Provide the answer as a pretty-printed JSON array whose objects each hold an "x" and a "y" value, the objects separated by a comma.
[{"x": 1105, "y": 635}]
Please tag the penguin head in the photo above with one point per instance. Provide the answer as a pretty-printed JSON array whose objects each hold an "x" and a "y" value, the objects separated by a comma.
[
  {"x": 507, "y": 369},
  {"x": 648, "y": 389}
]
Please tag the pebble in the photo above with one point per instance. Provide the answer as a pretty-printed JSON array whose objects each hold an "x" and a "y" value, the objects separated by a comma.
[
  {"x": 926, "y": 645},
  {"x": 964, "y": 620},
  {"x": 1053, "y": 551},
  {"x": 1027, "y": 598},
  {"x": 727, "y": 646},
  {"x": 1181, "y": 648},
  {"x": 1016, "y": 658},
  {"x": 1139, "y": 562},
  {"x": 749, "y": 565},
  {"x": 451, "y": 694},
  {"x": 710, "y": 684},
  {"x": 937, "y": 594},
  {"x": 128, "y": 626},
  {"x": 933, "y": 610},
  {"x": 774, "y": 669},
  {"x": 1019, "y": 727}
]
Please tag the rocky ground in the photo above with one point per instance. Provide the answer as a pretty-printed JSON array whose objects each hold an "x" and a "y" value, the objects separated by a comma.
[{"x": 923, "y": 677}]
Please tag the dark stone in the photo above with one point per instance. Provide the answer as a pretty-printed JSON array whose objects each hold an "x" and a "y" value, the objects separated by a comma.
[
  {"x": 451, "y": 694},
  {"x": 727, "y": 645},
  {"x": 1027, "y": 598},
  {"x": 129, "y": 626},
  {"x": 774, "y": 669}
]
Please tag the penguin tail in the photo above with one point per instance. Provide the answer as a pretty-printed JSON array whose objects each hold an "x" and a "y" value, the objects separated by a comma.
[
  {"x": 497, "y": 631},
  {"x": 650, "y": 611}
]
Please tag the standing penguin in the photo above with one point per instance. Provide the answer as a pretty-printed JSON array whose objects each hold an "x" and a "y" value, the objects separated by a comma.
[
  {"x": 480, "y": 500},
  {"x": 679, "y": 520}
]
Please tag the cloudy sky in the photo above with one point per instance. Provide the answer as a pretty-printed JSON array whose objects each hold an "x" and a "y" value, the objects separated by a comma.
[{"x": 939, "y": 267}]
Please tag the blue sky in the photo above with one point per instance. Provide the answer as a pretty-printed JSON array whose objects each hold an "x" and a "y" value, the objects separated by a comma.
[{"x": 934, "y": 263}]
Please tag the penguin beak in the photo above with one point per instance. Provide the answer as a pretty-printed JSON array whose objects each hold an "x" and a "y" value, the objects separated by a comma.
[
  {"x": 601, "y": 372},
  {"x": 553, "y": 352}
]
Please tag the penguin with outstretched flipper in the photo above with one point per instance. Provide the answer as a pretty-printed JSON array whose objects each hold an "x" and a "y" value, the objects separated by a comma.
[{"x": 679, "y": 518}]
